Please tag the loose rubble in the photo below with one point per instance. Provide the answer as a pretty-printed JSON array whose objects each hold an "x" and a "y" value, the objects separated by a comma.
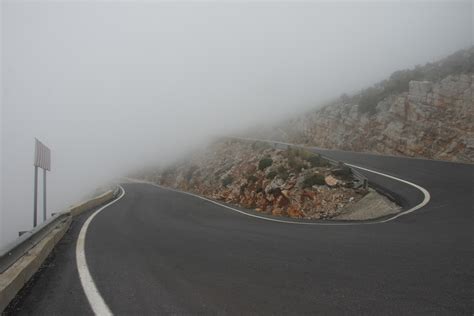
[{"x": 293, "y": 182}]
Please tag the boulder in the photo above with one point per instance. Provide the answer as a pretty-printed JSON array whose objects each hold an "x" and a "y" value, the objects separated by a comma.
[{"x": 331, "y": 181}]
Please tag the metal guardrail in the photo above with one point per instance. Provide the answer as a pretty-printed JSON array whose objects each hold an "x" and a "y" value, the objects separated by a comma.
[
  {"x": 359, "y": 179},
  {"x": 19, "y": 247},
  {"x": 16, "y": 249}
]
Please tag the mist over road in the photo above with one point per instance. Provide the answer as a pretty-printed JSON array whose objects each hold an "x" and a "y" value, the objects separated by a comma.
[
  {"x": 114, "y": 88},
  {"x": 111, "y": 86},
  {"x": 161, "y": 251}
]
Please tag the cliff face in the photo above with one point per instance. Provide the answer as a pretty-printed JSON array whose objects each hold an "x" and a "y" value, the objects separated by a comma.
[{"x": 432, "y": 120}]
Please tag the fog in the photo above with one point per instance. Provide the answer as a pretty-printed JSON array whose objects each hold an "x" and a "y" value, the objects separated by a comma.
[{"x": 111, "y": 86}]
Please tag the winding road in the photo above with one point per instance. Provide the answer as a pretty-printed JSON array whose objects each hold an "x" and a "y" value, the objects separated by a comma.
[{"x": 158, "y": 251}]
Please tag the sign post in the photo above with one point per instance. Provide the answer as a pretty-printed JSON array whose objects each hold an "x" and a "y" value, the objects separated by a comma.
[
  {"x": 44, "y": 195},
  {"x": 35, "y": 209},
  {"x": 43, "y": 161}
]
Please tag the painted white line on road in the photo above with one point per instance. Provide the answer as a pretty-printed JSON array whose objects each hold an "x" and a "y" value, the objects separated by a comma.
[
  {"x": 425, "y": 192},
  {"x": 97, "y": 303},
  {"x": 425, "y": 201}
]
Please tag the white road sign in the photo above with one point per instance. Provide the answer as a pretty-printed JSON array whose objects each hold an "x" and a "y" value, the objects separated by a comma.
[{"x": 42, "y": 156}]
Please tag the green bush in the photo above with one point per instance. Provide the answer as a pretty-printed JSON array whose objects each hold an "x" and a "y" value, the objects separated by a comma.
[
  {"x": 315, "y": 179},
  {"x": 265, "y": 163},
  {"x": 283, "y": 175},
  {"x": 296, "y": 164},
  {"x": 252, "y": 179},
  {"x": 295, "y": 152},
  {"x": 272, "y": 174},
  {"x": 369, "y": 99},
  {"x": 316, "y": 161},
  {"x": 227, "y": 180},
  {"x": 344, "y": 172}
]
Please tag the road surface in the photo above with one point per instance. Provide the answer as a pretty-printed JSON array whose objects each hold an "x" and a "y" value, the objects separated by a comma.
[{"x": 157, "y": 251}]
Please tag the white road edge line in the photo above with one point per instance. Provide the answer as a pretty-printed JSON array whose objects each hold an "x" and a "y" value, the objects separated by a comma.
[
  {"x": 425, "y": 192},
  {"x": 97, "y": 303},
  {"x": 425, "y": 201}
]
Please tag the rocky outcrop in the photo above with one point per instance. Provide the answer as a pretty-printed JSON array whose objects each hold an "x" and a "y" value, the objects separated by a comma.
[
  {"x": 292, "y": 182},
  {"x": 432, "y": 120}
]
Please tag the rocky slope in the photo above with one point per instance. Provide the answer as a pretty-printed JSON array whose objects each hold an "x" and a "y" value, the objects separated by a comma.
[
  {"x": 254, "y": 175},
  {"x": 425, "y": 112}
]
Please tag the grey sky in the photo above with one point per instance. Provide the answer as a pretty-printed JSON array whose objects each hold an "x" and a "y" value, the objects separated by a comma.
[{"x": 113, "y": 85}]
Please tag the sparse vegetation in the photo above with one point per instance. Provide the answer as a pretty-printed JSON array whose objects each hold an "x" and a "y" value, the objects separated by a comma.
[
  {"x": 272, "y": 174},
  {"x": 343, "y": 172},
  {"x": 297, "y": 158},
  {"x": 167, "y": 172},
  {"x": 316, "y": 161},
  {"x": 314, "y": 179},
  {"x": 234, "y": 172},
  {"x": 282, "y": 173},
  {"x": 281, "y": 169},
  {"x": 190, "y": 172},
  {"x": 265, "y": 163},
  {"x": 252, "y": 179},
  {"x": 459, "y": 62},
  {"x": 369, "y": 99},
  {"x": 295, "y": 152},
  {"x": 227, "y": 180},
  {"x": 296, "y": 164}
]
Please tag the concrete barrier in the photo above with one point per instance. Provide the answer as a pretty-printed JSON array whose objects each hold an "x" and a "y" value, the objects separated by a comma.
[
  {"x": 101, "y": 199},
  {"x": 21, "y": 260}
]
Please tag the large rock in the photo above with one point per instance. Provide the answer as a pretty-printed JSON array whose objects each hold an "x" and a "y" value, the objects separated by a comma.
[{"x": 331, "y": 181}]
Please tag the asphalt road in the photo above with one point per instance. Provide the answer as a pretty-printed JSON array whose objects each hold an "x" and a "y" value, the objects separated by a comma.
[{"x": 157, "y": 251}]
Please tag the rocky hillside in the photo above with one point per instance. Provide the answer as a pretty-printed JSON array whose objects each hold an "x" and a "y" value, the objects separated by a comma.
[
  {"x": 424, "y": 112},
  {"x": 253, "y": 175}
]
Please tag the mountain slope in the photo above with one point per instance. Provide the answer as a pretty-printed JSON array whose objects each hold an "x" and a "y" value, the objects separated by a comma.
[{"x": 425, "y": 112}]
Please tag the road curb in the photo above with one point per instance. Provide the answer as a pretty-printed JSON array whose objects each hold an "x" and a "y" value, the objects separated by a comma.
[{"x": 18, "y": 274}]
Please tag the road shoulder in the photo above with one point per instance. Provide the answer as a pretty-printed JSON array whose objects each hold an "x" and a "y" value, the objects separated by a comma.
[{"x": 55, "y": 288}]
